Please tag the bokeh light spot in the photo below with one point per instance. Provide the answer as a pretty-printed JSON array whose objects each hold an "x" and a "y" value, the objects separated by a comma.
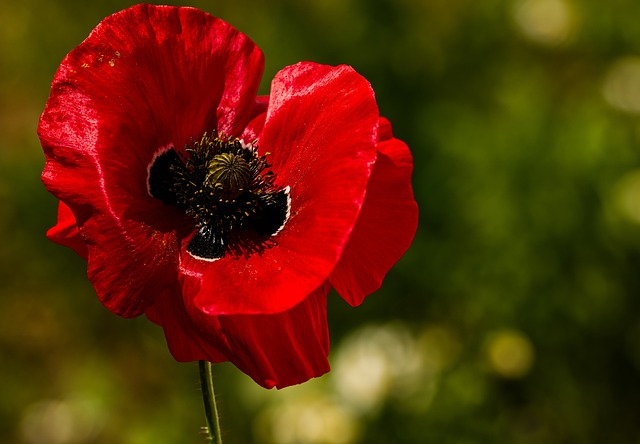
[
  {"x": 621, "y": 87},
  {"x": 549, "y": 22},
  {"x": 312, "y": 419},
  {"x": 627, "y": 196},
  {"x": 62, "y": 421},
  {"x": 510, "y": 354},
  {"x": 376, "y": 362}
]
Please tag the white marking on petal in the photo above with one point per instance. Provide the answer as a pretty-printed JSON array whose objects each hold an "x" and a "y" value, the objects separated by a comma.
[
  {"x": 287, "y": 191},
  {"x": 203, "y": 258},
  {"x": 247, "y": 146}
]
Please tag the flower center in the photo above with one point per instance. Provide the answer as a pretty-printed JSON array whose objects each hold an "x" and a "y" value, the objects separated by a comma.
[
  {"x": 227, "y": 189},
  {"x": 229, "y": 175}
]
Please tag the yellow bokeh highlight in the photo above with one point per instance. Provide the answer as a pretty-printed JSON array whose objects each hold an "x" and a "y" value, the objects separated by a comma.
[
  {"x": 627, "y": 196},
  {"x": 510, "y": 354},
  {"x": 621, "y": 88},
  {"x": 548, "y": 22}
]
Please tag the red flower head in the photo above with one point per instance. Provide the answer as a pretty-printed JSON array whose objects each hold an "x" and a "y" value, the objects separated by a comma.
[{"x": 223, "y": 217}]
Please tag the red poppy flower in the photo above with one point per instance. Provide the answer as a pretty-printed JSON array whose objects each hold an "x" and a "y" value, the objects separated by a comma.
[{"x": 224, "y": 217}]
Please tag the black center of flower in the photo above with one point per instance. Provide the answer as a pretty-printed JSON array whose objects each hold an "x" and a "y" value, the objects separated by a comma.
[{"x": 227, "y": 188}]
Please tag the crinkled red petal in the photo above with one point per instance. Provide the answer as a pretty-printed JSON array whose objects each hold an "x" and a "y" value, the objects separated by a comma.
[
  {"x": 184, "y": 338},
  {"x": 275, "y": 350},
  {"x": 386, "y": 225},
  {"x": 146, "y": 77},
  {"x": 66, "y": 233},
  {"x": 321, "y": 131},
  {"x": 281, "y": 349}
]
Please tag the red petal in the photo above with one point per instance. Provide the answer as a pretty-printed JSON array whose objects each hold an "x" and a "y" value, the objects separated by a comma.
[
  {"x": 262, "y": 103},
  {"x": 254, "y": 127},
  {"x": 321, "y": 130},
  {"x": 275, "y": 350},
  {"x": 146, "y": 77},
  {"x": 65, "y": 232},
  {"x": 281, "y": 349},
  {"x": 184, "y": 338},
  {"x": 386, "y": 225}
]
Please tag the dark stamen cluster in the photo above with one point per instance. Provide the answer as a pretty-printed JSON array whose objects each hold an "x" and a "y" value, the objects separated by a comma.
[
  {"x": 225, "y": 186},
  {"x": 203, "y": 192}
]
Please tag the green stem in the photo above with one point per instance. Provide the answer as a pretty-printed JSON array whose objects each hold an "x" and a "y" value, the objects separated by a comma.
[{"x": 209, "y": 398}]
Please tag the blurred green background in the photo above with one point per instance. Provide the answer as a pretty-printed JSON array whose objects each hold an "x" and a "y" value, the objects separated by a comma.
[{"x": 512, "y": 319}]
